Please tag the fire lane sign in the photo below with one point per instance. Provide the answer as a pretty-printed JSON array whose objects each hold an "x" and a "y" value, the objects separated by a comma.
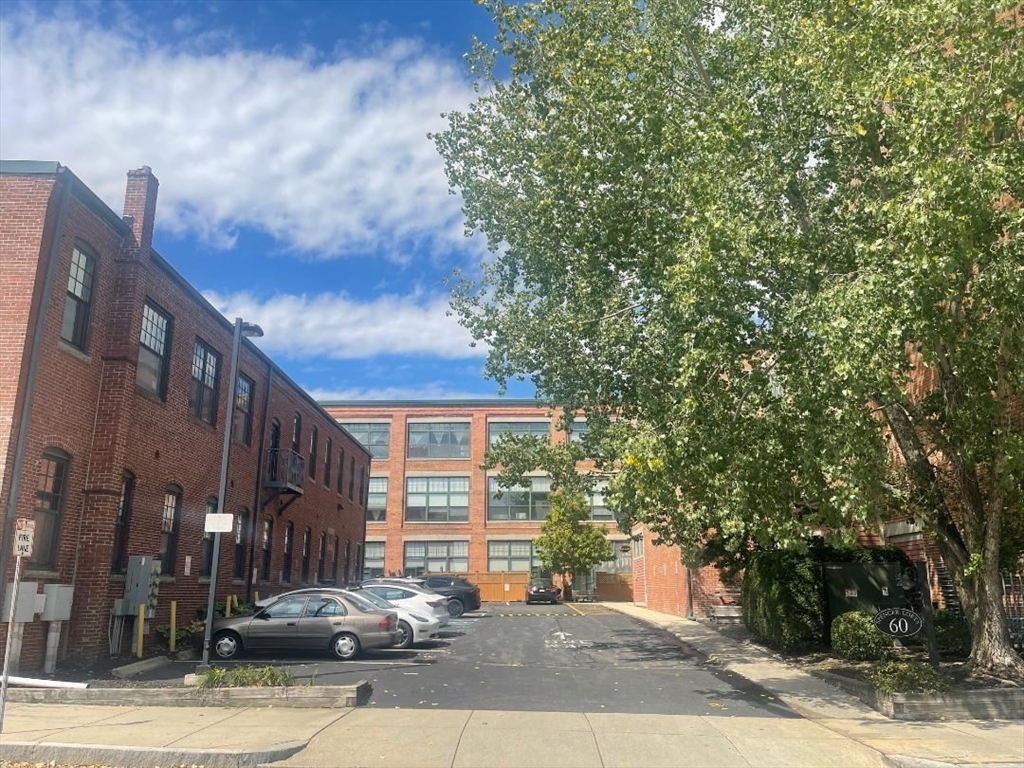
[{"x": 24, "y": 535}]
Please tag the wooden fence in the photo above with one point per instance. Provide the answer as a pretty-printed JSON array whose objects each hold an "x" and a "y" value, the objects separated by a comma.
[{"x": 511, "y": 587}]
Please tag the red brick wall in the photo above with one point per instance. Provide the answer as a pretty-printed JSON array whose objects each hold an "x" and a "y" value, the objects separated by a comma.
[{"x": 87, "y": 405}]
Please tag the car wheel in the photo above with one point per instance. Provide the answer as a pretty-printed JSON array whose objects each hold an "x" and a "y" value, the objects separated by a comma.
[
  {"x": 345, "y": 646},
  {"x": 226, "y": 645},
  {"x": 405, "y": 635},
  {"x": 456, "y": 608}
]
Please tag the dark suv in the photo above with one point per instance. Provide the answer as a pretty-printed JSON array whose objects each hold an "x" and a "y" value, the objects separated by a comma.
[{"x": 462, "y": 594}]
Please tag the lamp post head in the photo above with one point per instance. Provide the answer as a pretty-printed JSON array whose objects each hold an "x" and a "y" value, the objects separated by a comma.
[{"x": 252, "y": 330}]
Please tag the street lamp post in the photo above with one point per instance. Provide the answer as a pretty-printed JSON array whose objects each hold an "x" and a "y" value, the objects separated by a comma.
[{"x": 241, "y": 329}]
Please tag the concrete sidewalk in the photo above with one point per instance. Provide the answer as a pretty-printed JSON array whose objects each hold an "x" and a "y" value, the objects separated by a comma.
[{"x": 972, "y": 742}]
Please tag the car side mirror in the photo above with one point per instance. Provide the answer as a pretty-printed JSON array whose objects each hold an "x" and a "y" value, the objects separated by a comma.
[{"x": 262, "y": 615}]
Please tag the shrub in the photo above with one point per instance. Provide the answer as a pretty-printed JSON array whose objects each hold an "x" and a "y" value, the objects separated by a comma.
[
  {"x": 855, "y": 637},
  {"x": 952, "y": 633},
  {"x": 245, "y": 676},
  {"x": 782, "y": 599},
  {"x": 907, "y": 677}
]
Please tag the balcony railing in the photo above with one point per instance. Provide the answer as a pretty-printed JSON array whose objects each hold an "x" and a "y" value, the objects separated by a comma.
[{"x": 286, "y": 471}]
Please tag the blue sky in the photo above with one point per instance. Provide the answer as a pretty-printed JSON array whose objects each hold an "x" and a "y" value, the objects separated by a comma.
[{"x": 297, "y": 186}]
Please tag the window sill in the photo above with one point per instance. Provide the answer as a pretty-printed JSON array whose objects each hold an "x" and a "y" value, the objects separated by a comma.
[
  {"x": 436, "y": 522},
  {"x": 196, "y": 420},
  {"x": 74, "y": 351},
  {"x": 156, "y": 398},
  {"x": 438, "y": 458},
  {"x": 117, "y": 577},
  {"x": 204, "y": 580},
  {"x": 165, "y": 579},
  {"x": 41, "y": 573},
  {"x": 376, "y": 522},
  {"x": 238, "y": 582}
]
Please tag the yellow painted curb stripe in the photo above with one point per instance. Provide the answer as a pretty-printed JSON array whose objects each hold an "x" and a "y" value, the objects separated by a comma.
[{"x": 581, "y": 613}]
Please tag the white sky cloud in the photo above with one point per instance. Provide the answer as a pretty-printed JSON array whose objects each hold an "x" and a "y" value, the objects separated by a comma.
[
  {"x": 328, "y": 156},
  {"x": 333, "y": 325}
]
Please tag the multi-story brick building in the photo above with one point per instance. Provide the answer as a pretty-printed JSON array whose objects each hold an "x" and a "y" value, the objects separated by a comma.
[
  {"x": 432, "y": 507},
  {"x": 113, "y": 400}
]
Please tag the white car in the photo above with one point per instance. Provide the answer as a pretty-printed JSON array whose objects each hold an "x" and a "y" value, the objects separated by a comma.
[
  {"x": 412, "y": 627},
  {"x": 418, "y": 599}
]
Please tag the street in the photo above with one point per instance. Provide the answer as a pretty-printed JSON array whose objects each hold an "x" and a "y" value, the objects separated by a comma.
[{"x": 567, "y": 658}]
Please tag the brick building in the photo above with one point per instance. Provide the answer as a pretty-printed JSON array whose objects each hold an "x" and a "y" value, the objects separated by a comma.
[
  {"x": 432, "y": 508},
  {"x": 122, "y": 369}
]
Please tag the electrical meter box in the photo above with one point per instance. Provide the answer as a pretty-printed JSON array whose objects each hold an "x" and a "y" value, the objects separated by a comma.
[
  {"x": 29, "y": 601},
  {"x": 141, "y": 585},
  {"x": 58, "y": 602}
]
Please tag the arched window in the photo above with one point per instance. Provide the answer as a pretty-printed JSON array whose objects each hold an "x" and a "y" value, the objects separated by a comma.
[
  {"x": 206, "y": 553},
  {"x": 170, "y": 524},
  {"x": 241, "y": 535},
  {"x": 51, "y": 492},
  {"x": 119, "y": 557},
  {"x": 268, "y": 545},
  {"x": 286, "y": 564},
  {"x": 327, "y": 462},
  {"x": 322, "y": 558},
  {"x": 297, "y": 433},
  {"x": 314, "y": 439},
  {"x": 306, "y": 543}
]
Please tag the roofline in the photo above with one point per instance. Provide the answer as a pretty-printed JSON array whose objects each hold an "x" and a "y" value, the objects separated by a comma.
[
  {"x": 475, "y": 403},
  {"x": 93, "y": 201}
]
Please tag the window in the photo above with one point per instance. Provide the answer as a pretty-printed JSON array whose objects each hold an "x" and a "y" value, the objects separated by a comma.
[
  {"x": 323, "y": 606},
  {"x": 579, "y": 431},
  {"x": 206, "y": 559},
  {"x": 377, "y": 502},
  {"x": 241, "y": 534},
  {"x": 170, "y": 523},
  {"x": 499, "y": 429},
  {"x": 328, "y": 458},
  {"x": 348, "y": 561},
  {"x": 334, "y": 561},
  {"x": 373, "y": 559},
  {"x": 598, "y": 510},
  {"x": 638, "y": 547},
  {"x": 362, "y": 486},
  {"x": 49, "y": 507},
  {"x": 437, "y": 499},
  {"x": 286, "y": 563},
  {"x": 306, "y": 542},
  {"x": 241, "y": 423},
  {"x": 267, "y": 546},
  {"x": 359, "y": 559},
  {"x": 75, "y": 328},
  {"x": 154, "y": 351},
  {"x": 621, "y": 562},
  {"x": 436, "y": 557},
  {"x": 514, "y": 556},
  {"x": 526, "y": 502},
  {"x": 286, "y": 608},
  {"x": 205, "y": 380},
  {"x": 297, "y": 433},
  {"x": 341, "y": 468},
  {"x": 439, "y": 440},
  {"x": 119, "y": 559},
  {"x": 351, "y": 477},
  {"x": 321, "y": 560},
  {"x": 314, "y": 442},
  {"x": 373, "y": 437}
]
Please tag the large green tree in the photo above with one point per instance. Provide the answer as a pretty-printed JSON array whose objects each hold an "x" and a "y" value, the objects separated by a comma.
[{"x": 783, "y": 241}]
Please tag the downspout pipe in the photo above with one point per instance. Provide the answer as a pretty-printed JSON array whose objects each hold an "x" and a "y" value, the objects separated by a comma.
[
  {"x": 33, "y": 369},
  {"x": 257, "y": 504}
]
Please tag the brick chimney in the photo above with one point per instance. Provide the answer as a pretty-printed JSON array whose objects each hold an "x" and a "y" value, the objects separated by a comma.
[{"x": 140, "y": 206}]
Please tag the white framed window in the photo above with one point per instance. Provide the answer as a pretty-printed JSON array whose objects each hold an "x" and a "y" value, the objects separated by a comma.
[
  {"x": 373, "y": 437},
  {"x": 598, "y": 510},
  {"x": 498, "y": 429},
  {"x": 511, "y": 556},
  {"x": 373, "y": 559},
  {"x": 525, "y": 502},
  {"x": 377, "y": 500},
  {"x": 437, "y": 499},
  {"x": 435, "y": 557},
  {"x": 438, "y": 440}
]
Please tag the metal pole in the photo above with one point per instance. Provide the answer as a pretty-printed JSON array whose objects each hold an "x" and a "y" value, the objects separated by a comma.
[
  {"x": 225, "y": 454},
  {"x": 10, "y": 635}
]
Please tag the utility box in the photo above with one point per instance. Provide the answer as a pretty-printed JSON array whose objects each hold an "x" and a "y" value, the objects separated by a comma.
[
  {"x": 867, "y": 587},
  {"x": 141, "y": 585},
  {"x": 29, "y": 602},
  {"x": 58, "y": 602}
]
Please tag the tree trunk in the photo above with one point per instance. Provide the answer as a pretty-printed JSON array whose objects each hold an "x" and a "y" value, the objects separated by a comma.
[{"x": 991, "y": 648}]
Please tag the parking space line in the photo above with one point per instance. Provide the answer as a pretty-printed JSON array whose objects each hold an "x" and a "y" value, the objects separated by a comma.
[{"x": 581, "y": 613}]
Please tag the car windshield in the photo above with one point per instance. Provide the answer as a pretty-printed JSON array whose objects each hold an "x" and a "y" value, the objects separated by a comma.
[
  {"x": 370, "y": 597},
  {"x": 540, "y": 583},
  {"x": 361, "y": 602}
]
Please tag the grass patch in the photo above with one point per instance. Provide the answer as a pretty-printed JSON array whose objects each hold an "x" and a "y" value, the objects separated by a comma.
[{"x": 245, "y": 676}]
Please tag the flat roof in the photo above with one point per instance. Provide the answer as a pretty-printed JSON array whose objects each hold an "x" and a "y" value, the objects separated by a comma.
[{"x": 489, "y": 402}]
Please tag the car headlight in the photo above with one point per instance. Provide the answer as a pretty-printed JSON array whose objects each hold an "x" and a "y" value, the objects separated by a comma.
[{"x": 418, "y": 618}]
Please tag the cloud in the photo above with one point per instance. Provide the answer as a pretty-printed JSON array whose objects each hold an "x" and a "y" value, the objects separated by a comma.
[
  {"x": 325, "y": 151},
  {"x": 427, "y": 391},
  {"x": 336, "y": 326}
]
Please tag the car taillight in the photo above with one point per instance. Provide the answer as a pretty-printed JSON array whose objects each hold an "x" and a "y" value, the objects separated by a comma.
[
  {"x": 435, "y": 603},
  {"x": 387, "y": 624}
]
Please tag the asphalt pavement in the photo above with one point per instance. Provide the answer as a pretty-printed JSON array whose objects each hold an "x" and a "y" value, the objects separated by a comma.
[{"x": 566, "y": 658}]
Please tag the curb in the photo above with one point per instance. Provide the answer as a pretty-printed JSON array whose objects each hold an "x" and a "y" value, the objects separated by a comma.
[
  {"x": 902, "y": 761},
  {"x": 140, "y": 757},
  {"x": 292, "y": 696},
  {"x": 144, "y": 665}
]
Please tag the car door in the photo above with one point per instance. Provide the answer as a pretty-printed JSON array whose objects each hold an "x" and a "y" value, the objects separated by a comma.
[
  {"x": 323, "y": 618},
  {"x": 276, "y": 626}
]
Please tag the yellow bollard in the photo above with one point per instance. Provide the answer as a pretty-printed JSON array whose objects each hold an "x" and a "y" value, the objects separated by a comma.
[
  {"x": 140, "y": 625},
  {"x": 174, "y": 625},
  {"x": 234, "y": 603},
  {"x": 227, "y": 607},
  {"x": 256, "y": 597}
]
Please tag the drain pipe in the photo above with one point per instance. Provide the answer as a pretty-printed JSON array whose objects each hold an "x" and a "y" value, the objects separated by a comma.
[
  {"x": 257, "y": 506},
  {"x": 33, "y": 368}
]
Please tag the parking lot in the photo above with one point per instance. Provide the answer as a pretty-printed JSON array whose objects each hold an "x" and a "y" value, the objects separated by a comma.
[{"x": 570, "y": 658}]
